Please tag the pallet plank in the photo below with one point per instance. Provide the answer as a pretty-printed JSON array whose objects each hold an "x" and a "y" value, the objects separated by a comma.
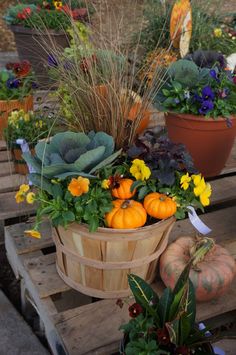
[
  {"x": 5, "y": 156},
  {"x": 12, "y": 183},
  {"x": 10, "y": 209},
  {"x": 223, "y": 190},
  {"x": 3, "y": 145},
  {"x": 230, "y": 166},
  {"x": 7, "y": 168}
]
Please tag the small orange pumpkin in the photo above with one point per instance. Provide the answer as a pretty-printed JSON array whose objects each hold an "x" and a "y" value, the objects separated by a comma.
[
  {"x": 159, "y": 205},
  {"x": 135, "y": 111},
  {"x": 123, "y": 192},
  {"x": 126, "y": 214}
]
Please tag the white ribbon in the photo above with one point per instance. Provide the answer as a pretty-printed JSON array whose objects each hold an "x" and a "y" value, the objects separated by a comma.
[
  {"x": 196, "y": 221},
  {"x": 25, "y": 149}
]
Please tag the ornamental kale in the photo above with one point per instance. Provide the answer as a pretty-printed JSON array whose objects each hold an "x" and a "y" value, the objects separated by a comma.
[{"x": 199, "y": 91}]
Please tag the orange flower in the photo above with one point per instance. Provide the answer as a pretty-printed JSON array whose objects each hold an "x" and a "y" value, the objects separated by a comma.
[{"x": 79, "y": 186}]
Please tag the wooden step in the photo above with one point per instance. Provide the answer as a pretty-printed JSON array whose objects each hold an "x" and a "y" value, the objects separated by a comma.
[{"x": 12, "y": 182}]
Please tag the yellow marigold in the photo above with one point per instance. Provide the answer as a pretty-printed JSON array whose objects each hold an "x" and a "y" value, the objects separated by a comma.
[
  {"x": 140, "y": 170},
  {"x": 217, "y": 32},
  {"x": 30, "y": 197},
  {"x": 33, "y": 233},
  {"x": 184, "y": 181},
  {"x": 106, "y": 184},
  {"x": 79, "y": 186},
  {"x": 204, "y": 197}
]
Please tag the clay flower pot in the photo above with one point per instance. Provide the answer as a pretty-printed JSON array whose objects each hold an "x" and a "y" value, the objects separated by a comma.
[
  {"x": 19, "y": 163},
  {"x": 208, "y": 140},
  {"x": 7, "y": 106},
  {"x": 35, "y": 45}
]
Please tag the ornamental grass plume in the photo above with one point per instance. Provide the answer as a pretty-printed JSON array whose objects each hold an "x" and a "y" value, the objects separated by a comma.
[{"x": 99, "y": 78}]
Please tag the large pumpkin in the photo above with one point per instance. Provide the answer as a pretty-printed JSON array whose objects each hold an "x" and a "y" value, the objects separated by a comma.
[
  {"x": 211, "y": 275},
  {"x": 159, "y": 205},
  {"x": 123, "y": 191},
  {"x": 126, "y": 214}
]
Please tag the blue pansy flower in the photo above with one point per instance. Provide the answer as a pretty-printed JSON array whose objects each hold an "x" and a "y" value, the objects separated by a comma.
[
  {"x": 207, "y": 93},
  {"x": 13, "y": 83},
  {"x": 207, "y": 106}
]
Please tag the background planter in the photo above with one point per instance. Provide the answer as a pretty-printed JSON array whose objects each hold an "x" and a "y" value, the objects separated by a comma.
[
  {"x": 208, "y": 141},
  {"x": 19, "y": 163},
  {"x": 7, "y": 106},
  {"x": 35, "y": 46},
  {"x": 97, "y": 263}
]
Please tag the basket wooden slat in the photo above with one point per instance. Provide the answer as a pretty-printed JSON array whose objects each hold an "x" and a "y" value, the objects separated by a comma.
[{"x": 97, "y": 263}]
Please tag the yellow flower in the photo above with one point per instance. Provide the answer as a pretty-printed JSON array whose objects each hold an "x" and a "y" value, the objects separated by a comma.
[
  {"x": 26, "y": 117},
  {"x": 19, "y": 197},
  {"x": 79, "y": 186},
  {"x": 139, "y": 170},
  {"x": 39, "y": 124},
  {"x": 33, "y": 233},
  {"x": 184, "y": 181},
  {"x": 200, "y": 185},
  {"x": 106, "y": 184},
  {"x": 58, "y": 4},
  {"x": 30, "y": 197},
  {"x": 217, "y": 32},
  {"x": 204, "y": 197}
]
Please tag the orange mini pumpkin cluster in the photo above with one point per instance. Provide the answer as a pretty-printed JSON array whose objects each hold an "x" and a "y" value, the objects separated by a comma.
[{"x": 128, "y": 213}]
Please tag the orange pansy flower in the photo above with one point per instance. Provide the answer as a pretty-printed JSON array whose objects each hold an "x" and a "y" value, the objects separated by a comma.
[{"x": 79, "y": 186}]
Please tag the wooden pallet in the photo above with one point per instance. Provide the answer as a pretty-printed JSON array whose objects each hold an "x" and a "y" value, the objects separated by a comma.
[
  {"x": 9, "y": 184},
  {"x": 72, "y": 323}
]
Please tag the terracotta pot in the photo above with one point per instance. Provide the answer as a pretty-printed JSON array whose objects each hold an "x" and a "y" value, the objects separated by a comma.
[
  {"x": 19, "y": 163},
  {"x": 35, "y": 46},
  {"x": 7, "y": 106},
  {"x": 209, "y": 141},
  {"x": 97, "y": 263}
]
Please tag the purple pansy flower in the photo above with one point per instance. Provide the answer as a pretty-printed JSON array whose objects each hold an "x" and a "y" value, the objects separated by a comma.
[
  {"x": 207, "y": 105},
  {"x": 197, "y": 98},
  {"x": 214, "y": 75},
  {"x": 207, "y": 93},
  {"x": 13, "y": 83},
  {"x": 52, "y": 62}
]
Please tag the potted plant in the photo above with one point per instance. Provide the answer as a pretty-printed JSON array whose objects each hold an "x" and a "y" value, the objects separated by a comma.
[
  {"x": 201, "y": 106},
  {"x": 16, "y": 86},
  {"x": 41, "y": 27},
  {"x": 165, "y": 324},
  {"x": 110, "y": 216},
  {"x": 27, "y": 126}
]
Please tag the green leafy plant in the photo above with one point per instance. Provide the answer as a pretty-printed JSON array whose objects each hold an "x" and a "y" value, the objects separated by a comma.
[
  {"x": 199, "y": 91},
  {"x": 166, "y": 324},
  {"x": 29, "y": 126}
]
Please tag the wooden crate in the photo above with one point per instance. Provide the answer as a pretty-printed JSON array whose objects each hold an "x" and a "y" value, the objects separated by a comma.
[
  {"x": 75, "y": 325},
  {"x": 9, "y": 184}
]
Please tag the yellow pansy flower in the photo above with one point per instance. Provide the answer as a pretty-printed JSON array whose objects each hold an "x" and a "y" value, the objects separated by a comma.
[
  {"x": 24, "y": 188},
  {"x": 26, "y": 117},
  {"x": 217, "y": 32},
  {"x": 184, "y": 181},
  {"x": 204, "y": 197},
  {"x": 33, "y": 233},
  {"x": 58, "y": 4},
  {"x": 20, "y": 195},
  {"x": 198, "y": 189},
  {"x": 79, "y": 186},
  {"x": 106, "y": 184},
  {"x": 30, "y": 197},
  {"x": 140, "y": 170}
]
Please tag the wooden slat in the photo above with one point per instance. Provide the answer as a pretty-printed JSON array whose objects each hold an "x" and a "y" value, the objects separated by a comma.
[
  {"x": 3, "y": 145},
  {"x": 230, "y": 166},
  {"x": 12, "y": 183},
  {"x": 44, "y": 275},
  {"x": 223, "y": 190},
  {"x": 23, "y": 244},
  {"x": 7, "y": 168},
  {"x": 5, "y": 156},
  {"x": 10, "y": 209}
]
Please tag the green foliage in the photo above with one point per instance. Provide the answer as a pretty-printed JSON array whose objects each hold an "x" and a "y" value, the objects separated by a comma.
[
  {"x": 30, "y": 126},
  {"x": 57, "y": 203},
  {"x": 207, "y": 16},
  {"x": 168, "y": 324},
  {"x": 70, "y": 153},
  {"x": 195, "y": 90}
]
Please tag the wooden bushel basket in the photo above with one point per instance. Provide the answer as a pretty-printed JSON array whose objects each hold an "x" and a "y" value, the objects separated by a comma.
[{"x": 97, "y": 264}]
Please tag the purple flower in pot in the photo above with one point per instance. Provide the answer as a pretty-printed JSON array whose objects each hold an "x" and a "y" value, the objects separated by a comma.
[{"x": 207, "y": 105}]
